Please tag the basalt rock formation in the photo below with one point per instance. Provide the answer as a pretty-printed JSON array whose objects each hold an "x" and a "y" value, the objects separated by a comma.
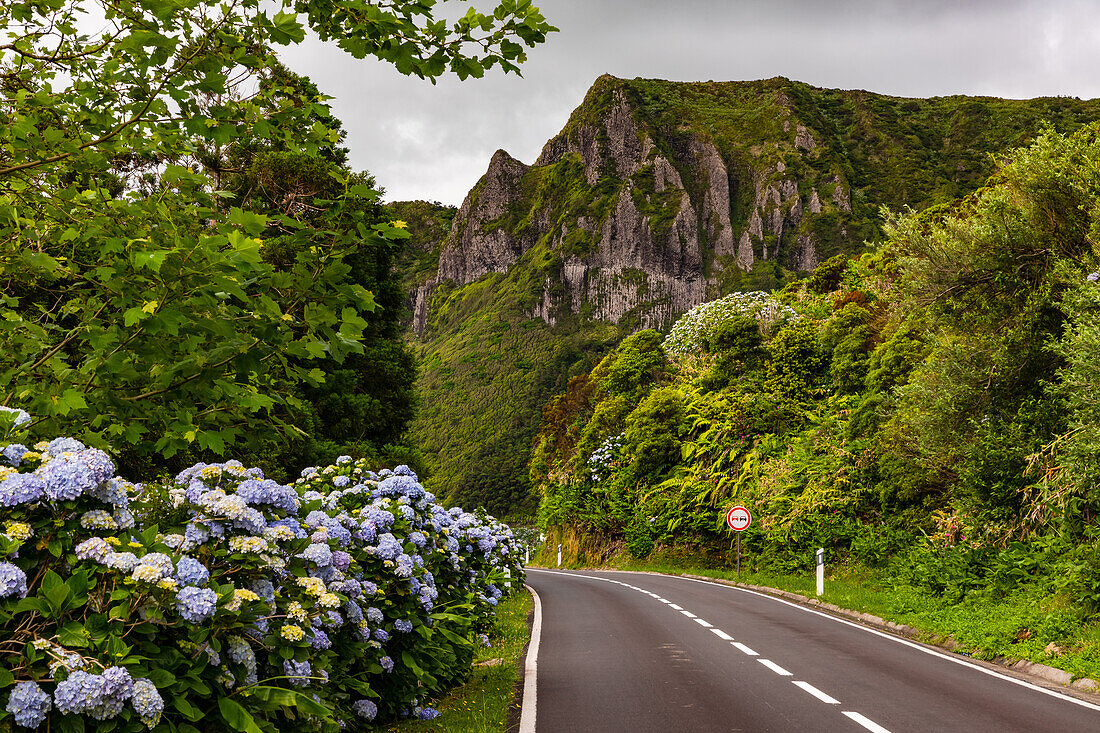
[{"x": 657, "y": 196}]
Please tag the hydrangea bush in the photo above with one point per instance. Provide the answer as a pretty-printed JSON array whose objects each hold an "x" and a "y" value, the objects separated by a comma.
[
  {"x": 249, "y": 605},
  {"x": 695, "y": 328}
]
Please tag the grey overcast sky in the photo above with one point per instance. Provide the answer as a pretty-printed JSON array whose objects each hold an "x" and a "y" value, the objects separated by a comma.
[{"x": 434, "y": 142}]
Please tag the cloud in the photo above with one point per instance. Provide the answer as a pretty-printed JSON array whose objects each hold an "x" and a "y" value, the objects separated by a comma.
[{"x": 434, "y": 142}]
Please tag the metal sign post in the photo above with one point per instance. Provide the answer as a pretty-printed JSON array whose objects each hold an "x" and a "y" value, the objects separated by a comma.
[{"x": 738, "y": 518}]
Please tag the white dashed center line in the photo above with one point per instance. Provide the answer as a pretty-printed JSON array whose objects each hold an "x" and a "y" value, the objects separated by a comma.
[
  {"x": 829, "y": 700},
  {"x": 704, "y": 624},
  {"x": 866, "y": 722},
  {"x": 776, "y": 668},
  {"x": 745, "y": 649},
  {"x": 721, "y": 634}
]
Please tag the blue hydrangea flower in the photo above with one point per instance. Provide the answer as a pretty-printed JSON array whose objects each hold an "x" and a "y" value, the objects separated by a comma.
[
  {"x": 195, "y": 534},
  {"x": 78, "y": 693},
  {"x": 70, "y": 475},
  {"x": 367, "y": 532},
  {"x": 290, "y": 523},
  {"x": 425, "y": 713},
  {"x": 374, "y": 615},
  {"x": 13, "y": 453},
  {"x": 264, "y": 589},
  {"x": 114, "y": 491},
  {"x": 29, "y": 703},
  {"x": 403, "y": 625},
  {"x": 318, "y": 553},
  {"x": 388, "y": 547},
  {"x": 190, "y": 571},
  {"x": 381, "y": 518},
  {"x": 404, "y": 567},
  {"x": 320, "y": 640},
  {"x": 365, "y": 709},
  {"x": 387, "y": 663},
  {"x": 341, "y": 560},
  {"x": 381, "y": 635},
  {"x": 124, "y": 518},
  {"x": 266, "y": 491},
  {"x": 240, "y": 652},
  {"x": 57, "y": 446},
  {"x": 115, "y": 688},
  {"x": 196, "y": 604},
  {"x": 147, "y": 702},
  {"x": 13, "y": 581},
  {"x": 297, "y": 672},
  {"x": 21, "y": 488}
]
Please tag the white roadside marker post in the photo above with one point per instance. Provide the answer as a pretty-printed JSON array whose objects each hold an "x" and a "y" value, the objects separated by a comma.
[
  {"x": 820, "y": 570},
  {"x": 559, "y": 555}
]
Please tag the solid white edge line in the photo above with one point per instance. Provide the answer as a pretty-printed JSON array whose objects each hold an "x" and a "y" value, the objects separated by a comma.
[
  {"x": 721, "y": 634},
  {"x": 777, "y": 669},
  {"x": 530, "y": 670},
  {"x": 827, "y": 699},
  {"x": 866, "y": 722}
]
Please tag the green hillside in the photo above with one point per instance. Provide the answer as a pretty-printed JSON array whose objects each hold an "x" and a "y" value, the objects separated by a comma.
[{"x": 489, "y": 364}]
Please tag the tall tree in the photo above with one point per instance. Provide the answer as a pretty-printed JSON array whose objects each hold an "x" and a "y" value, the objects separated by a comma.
[{"x": 138, "y": 309}]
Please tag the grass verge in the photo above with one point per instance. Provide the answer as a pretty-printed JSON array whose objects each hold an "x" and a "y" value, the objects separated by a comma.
[
  {"x": 1031, "y": 623},
  {"x": 482, "y": 704}
]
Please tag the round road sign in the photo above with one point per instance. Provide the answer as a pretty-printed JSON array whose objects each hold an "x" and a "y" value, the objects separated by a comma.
[{"x": 738, "y": 518}]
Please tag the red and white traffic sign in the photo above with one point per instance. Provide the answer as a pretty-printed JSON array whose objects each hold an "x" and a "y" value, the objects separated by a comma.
[{"x": 738, "y": 518}]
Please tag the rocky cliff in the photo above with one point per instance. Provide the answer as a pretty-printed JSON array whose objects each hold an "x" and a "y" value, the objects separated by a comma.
[{"x": 659, "y": 195}]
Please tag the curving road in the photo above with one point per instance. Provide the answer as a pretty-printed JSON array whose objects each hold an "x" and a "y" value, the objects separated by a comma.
[{"x": 634, "y": 652}]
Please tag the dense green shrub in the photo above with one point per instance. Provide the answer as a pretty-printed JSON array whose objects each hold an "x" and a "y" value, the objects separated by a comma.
[{"x": 230, "y": 600}]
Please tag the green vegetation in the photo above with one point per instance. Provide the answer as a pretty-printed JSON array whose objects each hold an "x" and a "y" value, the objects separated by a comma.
[
  {"x": 485, "y": 369},
  {"x": 929, "y": 418},
  {"x": 483, "y": 704},
  {"x": 188, "y": 269},
  {"x": 428, "y": 224},
  {"x": 489, "y": 361}
]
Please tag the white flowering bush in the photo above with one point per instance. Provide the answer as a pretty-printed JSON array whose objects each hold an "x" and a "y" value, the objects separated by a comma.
[
  {"x": 694, "y": 330},
  {"x": 348, "y": 597},
  {"x": 606, "y": 458}
]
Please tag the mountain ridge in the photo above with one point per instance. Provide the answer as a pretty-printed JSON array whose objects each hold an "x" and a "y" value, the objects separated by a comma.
[{"x": 657, "y": 196}]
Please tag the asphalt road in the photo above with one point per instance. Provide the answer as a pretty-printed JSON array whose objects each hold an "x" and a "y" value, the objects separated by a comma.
[{"x": 634, "y": 653}]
